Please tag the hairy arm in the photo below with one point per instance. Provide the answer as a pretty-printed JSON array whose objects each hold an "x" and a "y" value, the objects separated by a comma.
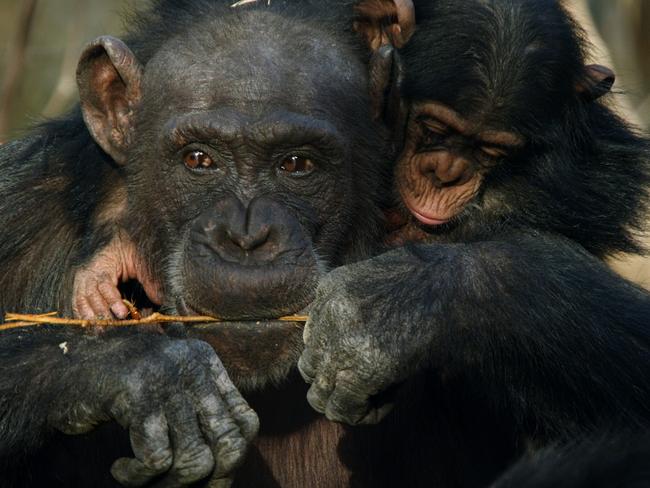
[
  {"x": 531, "y": 322},
  {"x": 185, "y": 418},
  {"x": 61, "y": 204}
]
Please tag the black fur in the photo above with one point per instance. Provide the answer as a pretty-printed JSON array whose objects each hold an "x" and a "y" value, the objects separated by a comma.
[
  {"x": 585, "y": 172},
  {"x": 527, "y": 335},
  {"x": 595, "y": 463},
  {"x": 59, "y": 188},
  {"x": 509, "y": 305}
]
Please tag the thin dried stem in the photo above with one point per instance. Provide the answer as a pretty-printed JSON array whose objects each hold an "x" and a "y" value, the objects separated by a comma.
[{"x": 16, "y": 320}]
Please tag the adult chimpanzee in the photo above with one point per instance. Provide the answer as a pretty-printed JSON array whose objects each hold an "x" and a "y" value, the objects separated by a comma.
[
  {"x": 222, "y": 170},
  {"x": 520, "y": 182},
  {"x": 245, "y": 141}
]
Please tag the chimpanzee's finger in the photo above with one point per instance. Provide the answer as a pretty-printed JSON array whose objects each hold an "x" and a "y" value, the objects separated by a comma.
[
  {"x": 347, "y": 405},
  {"x": 152, "y": 290},
  {"x": 153, "y": 453},
  {"x": 82, "y": 309},
  {"x": 220, "y": 483},
  {"x": 307, "y": 365},
  {"x": 349, "y": 401},
  {"x": 376, "y": 415},
  {"x": 313, "y": 328},
  {"x": 319, "y": 393},
  {"x": 193, "y": 459},
  {"x": 243, "y": 414},
  {"x": 222, "y": 434},
  {"x": 113, "y": 298},
  {"x": 99, "y": 305}
]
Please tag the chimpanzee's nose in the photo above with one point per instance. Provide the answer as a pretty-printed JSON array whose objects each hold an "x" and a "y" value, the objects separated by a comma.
[
  {"x": 244, "y": 234},
  {"x": 251, "y": 240}
]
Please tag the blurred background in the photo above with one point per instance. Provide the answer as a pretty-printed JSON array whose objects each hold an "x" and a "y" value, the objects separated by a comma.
[{"x": 40, "y": 41}]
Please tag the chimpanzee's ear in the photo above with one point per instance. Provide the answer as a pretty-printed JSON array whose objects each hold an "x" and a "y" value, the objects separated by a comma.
[
  {"x": 109, "y": 79},
  {"x": 597, "y": 81},
  {"x": 386, "y": 74},
  {"x": 384, "y": 22}
]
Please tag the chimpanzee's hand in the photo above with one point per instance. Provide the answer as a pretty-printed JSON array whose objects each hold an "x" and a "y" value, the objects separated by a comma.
[
  {"x": 367, "y": 331},
  {"x": 95, "y": 290},
  {"x": 185, "y": 417}
]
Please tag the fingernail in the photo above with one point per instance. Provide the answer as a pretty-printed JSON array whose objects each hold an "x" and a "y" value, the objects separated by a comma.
[{"x": 119, "y": 310}]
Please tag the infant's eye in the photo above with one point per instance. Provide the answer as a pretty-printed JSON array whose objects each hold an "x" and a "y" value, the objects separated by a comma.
[
  {"x": 435, "y": 126},
  {"x": 494, "y": 152},
  {"x": 297, "y": 165},
  {"x": 197, "y": 160}
]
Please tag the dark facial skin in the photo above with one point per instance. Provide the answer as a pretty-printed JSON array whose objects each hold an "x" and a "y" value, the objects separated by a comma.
[
  {"x": 445, "y": 159},
  {"x": 255, "y": 180}
]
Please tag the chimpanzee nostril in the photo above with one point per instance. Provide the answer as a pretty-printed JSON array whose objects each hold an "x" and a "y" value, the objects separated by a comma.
[
  {"x": 253, "y": 234},
  {"x": 250, "y": 241}
]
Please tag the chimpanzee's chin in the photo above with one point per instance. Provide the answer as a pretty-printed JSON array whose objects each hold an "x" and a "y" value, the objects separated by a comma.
[{"x": 255, "y": 353}]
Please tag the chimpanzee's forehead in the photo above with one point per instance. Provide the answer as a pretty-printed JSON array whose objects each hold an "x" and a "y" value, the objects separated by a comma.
[{"x": 258, "y": 60}]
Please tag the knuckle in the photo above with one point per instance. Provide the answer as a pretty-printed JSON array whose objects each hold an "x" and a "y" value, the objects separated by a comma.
[
  {"x": 339, "y": 415},
  {"x": 231, "y": 455},
  {"x": 244, "y": 412},
  {"x": 218, "y": 425},
  {"x": 220, "y": 483},
  {"x": 224, "y": 429},
  {"x": 252, "y": 423},
  {"x": 306, "y": 367},
  {"x": 159, "y": 461},
  {"x": 316, "y": 399},
  {"x": 193, "y": 464}
]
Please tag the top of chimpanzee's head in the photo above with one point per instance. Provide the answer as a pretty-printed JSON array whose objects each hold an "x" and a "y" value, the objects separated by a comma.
[{"x": 513, "y": 64}]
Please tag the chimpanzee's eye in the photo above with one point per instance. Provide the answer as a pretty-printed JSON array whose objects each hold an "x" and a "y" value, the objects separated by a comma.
[
  {"x": 435, "y": 126},
  {"x": 434, "y": 133},
  {"x": 197, "y": 160},
  {"x": 297, "y": 165},
  {"x": 494, "y": 152}
]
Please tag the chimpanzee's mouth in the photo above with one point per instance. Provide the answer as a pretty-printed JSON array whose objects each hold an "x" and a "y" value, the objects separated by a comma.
[
  {"x": 255, "y": 351},
  {"x": 187, "y": 309}
]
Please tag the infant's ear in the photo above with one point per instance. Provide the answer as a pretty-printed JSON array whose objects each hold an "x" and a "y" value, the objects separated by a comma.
[
  {"x": 597, "y": 81},
  {"x": 384, "y": 22}
]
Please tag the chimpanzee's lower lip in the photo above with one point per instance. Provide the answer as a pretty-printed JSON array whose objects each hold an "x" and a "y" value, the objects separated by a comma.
[
  {"x": 427, "y": 220},
  {"x": 424, "y": 219}
]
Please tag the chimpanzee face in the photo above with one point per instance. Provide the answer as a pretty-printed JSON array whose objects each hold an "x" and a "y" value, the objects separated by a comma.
[
  {"x": 252, "y": 163},
  {"x": 445, "y": 160}
]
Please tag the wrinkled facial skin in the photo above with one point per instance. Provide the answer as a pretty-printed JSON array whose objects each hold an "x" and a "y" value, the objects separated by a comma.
[
  {"x": 252, "y": 177},
  {"x": 445, "y": 160}
]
